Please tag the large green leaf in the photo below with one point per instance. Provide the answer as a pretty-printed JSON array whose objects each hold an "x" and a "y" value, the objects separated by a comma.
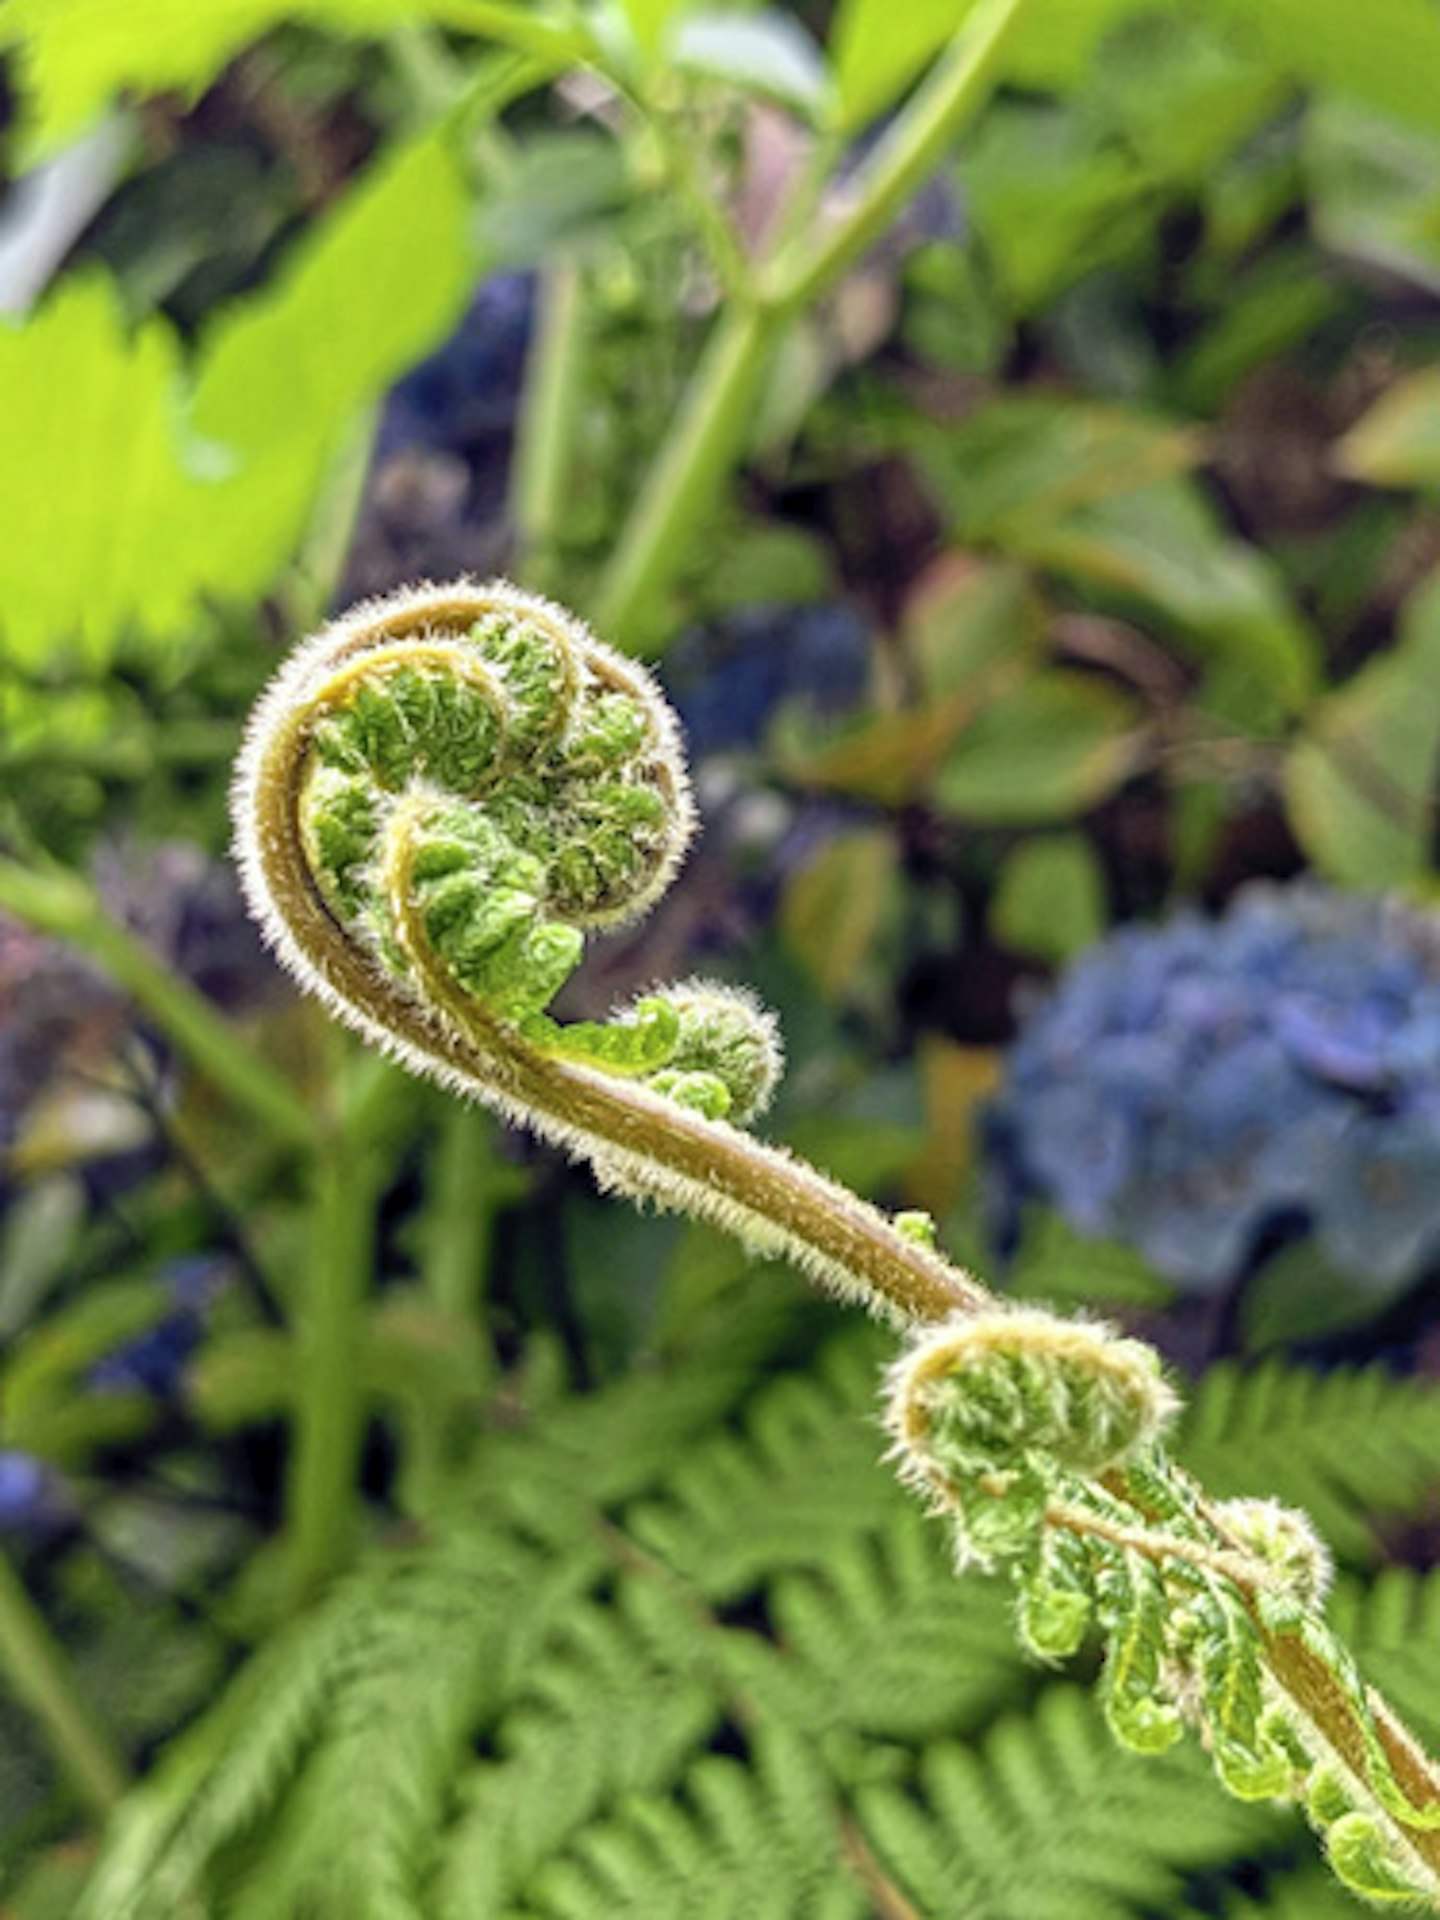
[
  {"x": 127, "y": 495},
  {"x": 1386, "y": 53},
  {"x": 89, "y": 453},
  {"x": 76, "y": 55},
  {"x": 1361, "y": 782}
]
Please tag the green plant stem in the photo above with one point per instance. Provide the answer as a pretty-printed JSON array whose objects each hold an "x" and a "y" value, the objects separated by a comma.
[
  {"x": 66, "y": 906},
  {"x": 461, "y": 1212},
  {"x": 466, "y": 1186},
  {"x": 690, "y": 469},
  {"x": 320, "y": 566},
  {"x": 959, "y": 84},
  {"x": 39, "y": 1673},
  {"x": 549, "y": 415},
  {"x": 323, "y": 1495},
  {"x": 687, "y": 474}
]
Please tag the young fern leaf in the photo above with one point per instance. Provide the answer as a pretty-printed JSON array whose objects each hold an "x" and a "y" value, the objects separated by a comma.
[{"x": 438, "y": 796}]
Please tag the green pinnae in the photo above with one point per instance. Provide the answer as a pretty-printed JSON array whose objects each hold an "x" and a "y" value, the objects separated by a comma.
[
  {"x": 542, "y": 963},
  {"x": 638, "y": 1042},
  {"x": 340, "y": 825},
  {"x": 452, "y": 725},
  {"x": 702, "y": 1093},
  {"x": 722, "y": 1033},
  {"x": 538, "y": 675},
  {"x": 613, "y": 729},
  {"x": 480, "y": 948}
]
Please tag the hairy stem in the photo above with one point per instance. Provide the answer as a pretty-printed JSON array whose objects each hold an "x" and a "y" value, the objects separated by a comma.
[{"x": 39, "y": 1674}]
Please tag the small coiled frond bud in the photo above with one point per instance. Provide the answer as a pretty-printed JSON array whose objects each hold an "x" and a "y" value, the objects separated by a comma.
[
  {"x": 997, "y": 1409},
  {"x": 1284, "y": 1540}
]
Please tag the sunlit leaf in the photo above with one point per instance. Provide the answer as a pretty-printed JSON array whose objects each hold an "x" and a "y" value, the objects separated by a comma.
[
  {"x": 1051, "y": 749},
  {"x": 1386, "y": 53},
  {"x": 88, "y": 455},
  {"x": 76, "y": 55},
  {"x": 1050, "y": 900},
  {"x": 1397, "y": 444},
  {"x": 128, "y": 495},
  {"x": 878, "y": 48}
]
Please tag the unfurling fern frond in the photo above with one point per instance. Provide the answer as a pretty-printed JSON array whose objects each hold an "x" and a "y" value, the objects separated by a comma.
[
  {"x": 440, "y": 795},
  {"x": 472, "y": 1724},
  {"x": 1041, "y": 1439}
]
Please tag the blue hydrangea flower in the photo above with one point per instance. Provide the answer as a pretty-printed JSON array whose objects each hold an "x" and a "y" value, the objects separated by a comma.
[
  {"x": 32, "y": 1494},
  {"x": 1193, "y": 1087}
]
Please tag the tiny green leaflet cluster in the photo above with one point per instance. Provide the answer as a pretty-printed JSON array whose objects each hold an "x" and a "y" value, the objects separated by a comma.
[{"x": 1041, "y": 1439}]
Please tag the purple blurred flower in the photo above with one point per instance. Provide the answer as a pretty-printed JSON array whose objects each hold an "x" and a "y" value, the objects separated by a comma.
[
  {"x": 32, "y": 1494},
  {"x": 1190, "y": 1087},
  {"x": 154, "y": 1361}
]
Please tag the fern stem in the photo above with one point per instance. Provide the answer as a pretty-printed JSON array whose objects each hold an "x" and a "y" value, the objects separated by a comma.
[
  {"x": 323, "y": 1494},
  {"x": 40, "y": 1675}
]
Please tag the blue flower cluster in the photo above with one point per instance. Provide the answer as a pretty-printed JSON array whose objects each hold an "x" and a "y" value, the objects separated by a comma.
[
  {"x": 154, "y": 1362},
  {"x": 726, "y": 681},
  {"x": 1195, "y": 1087},
  {"x": 33, "y": 1499}
]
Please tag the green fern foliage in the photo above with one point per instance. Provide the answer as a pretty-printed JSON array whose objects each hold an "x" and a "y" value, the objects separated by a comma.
[
  {"x": 1345, "y": 1447},
  {"x": 674, "y": 1656},
  {"x": 1049, "y": 1819}
]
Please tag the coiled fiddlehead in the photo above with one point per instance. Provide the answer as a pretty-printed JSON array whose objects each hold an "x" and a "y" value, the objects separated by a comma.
[{"x": 438, "y": 796}]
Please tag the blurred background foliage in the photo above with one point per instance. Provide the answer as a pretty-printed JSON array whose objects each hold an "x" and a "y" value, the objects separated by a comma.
[{"x": 1070, "y": 569}]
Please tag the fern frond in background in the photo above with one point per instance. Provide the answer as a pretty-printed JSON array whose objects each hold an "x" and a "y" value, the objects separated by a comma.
[{"x": 740, "y": 1672}]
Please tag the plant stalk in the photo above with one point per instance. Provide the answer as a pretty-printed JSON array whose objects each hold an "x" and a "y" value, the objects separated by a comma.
[
  {"x": 40, "y": 1675},
  {"x": 549, "y": 414},
  {"x": 686, "y": 478},
  {"x": 323, "y": 1495},
  {"x": 687, "y": 475}
]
